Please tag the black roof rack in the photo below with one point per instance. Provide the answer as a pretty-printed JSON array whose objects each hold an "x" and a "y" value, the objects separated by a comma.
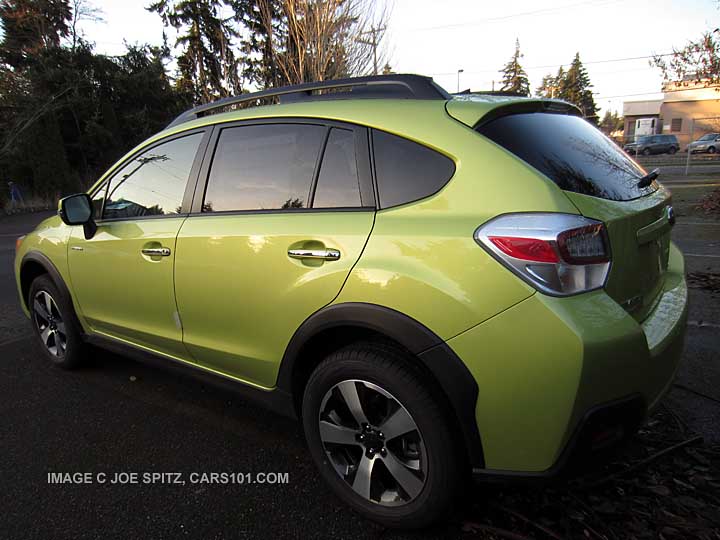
[{"x": 377, "y": 86}]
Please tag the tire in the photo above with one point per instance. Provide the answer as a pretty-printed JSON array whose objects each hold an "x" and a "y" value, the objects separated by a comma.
[
  {"x": 711, "y": 150},
  {"x": 380, "y": 377},
  {"x": 54, "y": 325},
  {"x": 646, "y": 152},
  {"x": 672, "y": 150}
]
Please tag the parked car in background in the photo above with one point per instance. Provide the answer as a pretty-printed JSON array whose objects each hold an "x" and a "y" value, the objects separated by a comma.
[
  {"x": 708, "y": 143},
  {"x": 435, "y": 285},
  {"x": 653, "y": 144}
]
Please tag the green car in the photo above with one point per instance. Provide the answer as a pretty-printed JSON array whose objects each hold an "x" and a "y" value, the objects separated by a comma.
[{"x": 438, "y": 286}]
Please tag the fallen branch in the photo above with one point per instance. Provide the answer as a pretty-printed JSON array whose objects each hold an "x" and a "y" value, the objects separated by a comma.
[
  {"x": 688, "y": 389},
  {"x": 527, "y": 520},
  {"x": 644, "y": 462}
]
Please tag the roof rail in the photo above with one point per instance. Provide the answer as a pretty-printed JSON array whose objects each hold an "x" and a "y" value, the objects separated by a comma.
[{"x": 377, "y": 86}]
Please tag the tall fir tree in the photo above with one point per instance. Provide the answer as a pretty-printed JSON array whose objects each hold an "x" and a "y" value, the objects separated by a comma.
[
  {"x": 29, "y": 26},
  {"x": 576, "y": 88},
  {"x": 207, "y": 65},
  {"x": 550, "y": 85},
  {"x": 611, "y": 122},
  {"x": 262, "y": 20},
  {"x": 514, "y": 77}
]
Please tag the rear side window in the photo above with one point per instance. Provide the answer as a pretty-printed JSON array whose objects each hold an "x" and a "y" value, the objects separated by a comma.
[
  {"x": 572, "y": 153},
  {"x": 407, "y": 171},
  {"x": 152, "y": 183},
  {"x": 263, "y": 167},
  {"x": 338, "y": 184}
]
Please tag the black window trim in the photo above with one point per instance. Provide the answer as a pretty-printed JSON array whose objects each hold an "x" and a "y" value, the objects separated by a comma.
[
  {"x": 189, "y": 186},
  {"x": 362, "y": 153}
]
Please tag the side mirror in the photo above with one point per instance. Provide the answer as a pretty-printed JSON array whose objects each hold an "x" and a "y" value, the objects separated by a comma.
[{"x": 78, "y": 210}]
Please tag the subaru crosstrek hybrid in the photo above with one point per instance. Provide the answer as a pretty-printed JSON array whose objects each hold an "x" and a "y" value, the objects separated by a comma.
[{"x": 435, "y": 285}]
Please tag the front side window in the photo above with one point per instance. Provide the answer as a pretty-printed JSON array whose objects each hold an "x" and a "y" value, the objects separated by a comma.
[
  {"x": 153, "y": 183},
  {"x": 263, "y": 167},
  {"x": 338, "y": 184}
]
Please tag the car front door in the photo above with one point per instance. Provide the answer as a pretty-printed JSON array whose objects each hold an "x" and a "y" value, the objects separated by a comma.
[
  {"x": 284, "y": 216},
  {"x": 123, "y": 275}
]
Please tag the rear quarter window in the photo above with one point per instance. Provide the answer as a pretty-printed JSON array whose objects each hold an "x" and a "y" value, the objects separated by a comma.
[
  {"x": 407, "y": 171},
  {"x": 571, "y": 153}
]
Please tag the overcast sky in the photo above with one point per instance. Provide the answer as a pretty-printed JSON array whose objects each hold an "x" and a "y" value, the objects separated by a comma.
[{"x": 437, "y": 38}]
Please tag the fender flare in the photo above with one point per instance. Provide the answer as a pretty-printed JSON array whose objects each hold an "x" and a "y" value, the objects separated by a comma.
[
  {"x": 451, "y": 374},
  {"x": 52, "y": 271}
]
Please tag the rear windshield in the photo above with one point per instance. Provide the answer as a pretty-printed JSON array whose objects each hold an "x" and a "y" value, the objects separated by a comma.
[{"x": 571, "y": 152}]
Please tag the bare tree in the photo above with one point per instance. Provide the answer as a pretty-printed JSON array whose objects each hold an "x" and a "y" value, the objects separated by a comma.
[
  {"x": 316, "y": 40},
  {"x": 83, "y": 10},
  {"x": 698, "y": 61}
]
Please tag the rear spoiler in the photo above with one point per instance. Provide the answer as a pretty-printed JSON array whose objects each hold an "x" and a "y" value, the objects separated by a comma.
[{"x": 476, "y": 111}]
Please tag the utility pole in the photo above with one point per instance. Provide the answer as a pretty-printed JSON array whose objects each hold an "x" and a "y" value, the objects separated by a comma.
[
  {"x": 458, "y": 81},
  {"x": 373, "y": 43}
]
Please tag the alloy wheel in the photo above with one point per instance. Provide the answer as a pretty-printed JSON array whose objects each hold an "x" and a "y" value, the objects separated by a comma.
[
  {"x": 373, "y": 442},
  {"x": 50, "y": 324}
]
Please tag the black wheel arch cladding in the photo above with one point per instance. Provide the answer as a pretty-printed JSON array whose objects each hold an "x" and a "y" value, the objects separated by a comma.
[{"x": 450, "y": 373}]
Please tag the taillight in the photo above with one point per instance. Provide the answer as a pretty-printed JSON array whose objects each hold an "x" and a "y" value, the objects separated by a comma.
[
  {"x": 18, "y": 242},
  {"x": 559, "y": 254}
]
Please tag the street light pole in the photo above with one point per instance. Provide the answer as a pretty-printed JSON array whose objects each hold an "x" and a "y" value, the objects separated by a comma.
[{"x": 458, "y": 78}]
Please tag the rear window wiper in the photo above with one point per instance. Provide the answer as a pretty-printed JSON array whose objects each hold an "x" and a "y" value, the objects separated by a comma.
[{"x": 646, "y": 180}]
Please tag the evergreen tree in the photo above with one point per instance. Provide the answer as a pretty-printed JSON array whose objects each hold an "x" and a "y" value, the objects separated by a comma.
[
  {"x": 514, "y": 77},
  {"x": 262, "y": 20},
  {"x": 550, "y": 85},
  {"x": 207, "y": 66},
  {"x": 612, "y": 121},
  {"x": 576, "y": 88},
  {"x": 32, "y": 25}
]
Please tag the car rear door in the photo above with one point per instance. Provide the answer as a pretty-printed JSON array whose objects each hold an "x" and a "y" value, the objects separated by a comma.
[
  {"x": 123, "y": 275},
  {"x": 282, "y": 212},
  {"x": 603, "y": 183}
]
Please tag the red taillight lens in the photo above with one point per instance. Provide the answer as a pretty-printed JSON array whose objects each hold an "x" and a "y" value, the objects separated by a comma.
[
  {"x": 527, "y": 249},
  {"x": 559, "y": 254},
  {"x": 584, "y": 245}
]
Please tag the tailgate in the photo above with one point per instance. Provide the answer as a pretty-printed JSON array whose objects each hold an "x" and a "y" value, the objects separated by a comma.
[{"x": 639, "y": 232}]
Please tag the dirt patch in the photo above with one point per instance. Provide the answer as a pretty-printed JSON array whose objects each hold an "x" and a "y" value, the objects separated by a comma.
[
  {"x": 708, "y": 281},
  {"x": 710, "y": 203}
]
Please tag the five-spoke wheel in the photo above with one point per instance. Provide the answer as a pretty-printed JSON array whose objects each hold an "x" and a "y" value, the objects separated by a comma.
[
  {"x": 373, "y": 442},
  {"x": 54, "y": 323},
  {"x": 49, "y": 323},
  {"x": 380, "y": 435}
]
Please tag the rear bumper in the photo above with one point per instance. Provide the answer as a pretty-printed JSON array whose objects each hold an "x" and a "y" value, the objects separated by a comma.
[
  {"x": 547, "y": 368},
  {"x": 602, "y": 427}
]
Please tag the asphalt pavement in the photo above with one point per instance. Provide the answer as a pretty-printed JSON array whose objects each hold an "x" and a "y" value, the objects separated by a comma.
[{"x": 120, "y": 416}]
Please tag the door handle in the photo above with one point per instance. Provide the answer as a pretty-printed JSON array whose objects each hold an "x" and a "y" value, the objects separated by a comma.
[
  {"x": 322, "y": 254},
  {"x": 156, "y": 252}
]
